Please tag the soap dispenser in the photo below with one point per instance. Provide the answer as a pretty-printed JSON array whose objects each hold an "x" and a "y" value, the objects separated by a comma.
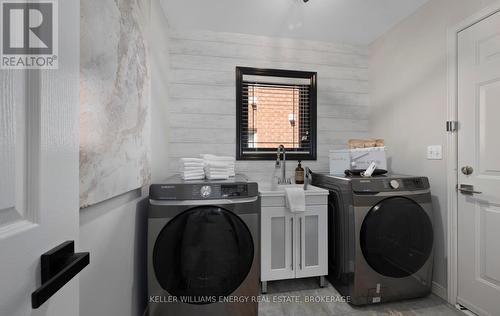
[{"x": 299, "y": 174}]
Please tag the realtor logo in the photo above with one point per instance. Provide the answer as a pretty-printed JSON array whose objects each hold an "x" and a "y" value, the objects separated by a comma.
[{"x": 29, "y": 37}]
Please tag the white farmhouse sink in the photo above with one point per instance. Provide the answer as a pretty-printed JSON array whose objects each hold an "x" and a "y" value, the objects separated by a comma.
[{"x": 268, "y": 189}]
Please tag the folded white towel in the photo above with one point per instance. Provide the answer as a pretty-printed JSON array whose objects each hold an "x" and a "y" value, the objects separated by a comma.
[
  {"x": 193, "y": 164},
  {"x": 193, "y": 173},
  {"x": 296, "y": 199},
  {"x": 217, "y": 176},
  {"x": 191, "y": 160},
  {"x": 216, "y": 164},
  {"x": 191, "y": 169},
  {"x": 222, "y": 174},
  {"x": 193, "y": 177},
  {"x": 217, "y": 169},
  {"x": 219, "y": 164},
  {"x": 225, "y": 170},
  {"x": 208, "y": 157}
]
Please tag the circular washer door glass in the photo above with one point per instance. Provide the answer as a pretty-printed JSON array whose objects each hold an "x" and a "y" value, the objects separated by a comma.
[
  {"x": 202, "y": 254},
  {"x": 396, "y": 237}
]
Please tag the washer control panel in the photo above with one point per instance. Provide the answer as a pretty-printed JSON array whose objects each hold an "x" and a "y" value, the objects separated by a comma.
[
  {"x": 203, "y": 191},
  {"x": 375, "y": 184},
  {"x": 219, "y": 191}
]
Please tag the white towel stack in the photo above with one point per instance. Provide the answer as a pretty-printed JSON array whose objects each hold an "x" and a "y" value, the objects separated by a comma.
[
  {"x": 219, "y": 167},
  {"x": 192, "y": 168}
]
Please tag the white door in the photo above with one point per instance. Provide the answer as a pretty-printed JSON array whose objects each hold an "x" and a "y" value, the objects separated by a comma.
[
  {"x": 277, "y": 226},
  {"x": 311, "y": 243},
  {"x": 39, "y": 172},
  {"x": 479, "y": 156}
]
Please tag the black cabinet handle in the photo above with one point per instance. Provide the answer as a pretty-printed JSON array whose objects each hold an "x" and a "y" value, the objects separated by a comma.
[{"x": 59, "y": 266}]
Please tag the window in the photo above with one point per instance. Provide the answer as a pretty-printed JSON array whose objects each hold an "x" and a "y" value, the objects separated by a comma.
[{"x": 275, "y": 107}]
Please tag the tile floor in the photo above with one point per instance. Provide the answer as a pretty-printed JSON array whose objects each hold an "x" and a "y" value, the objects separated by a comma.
[{"x": 298, "y": 290}]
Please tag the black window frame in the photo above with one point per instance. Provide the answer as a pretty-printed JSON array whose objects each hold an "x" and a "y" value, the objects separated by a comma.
[{"x": 270, "y": 154}]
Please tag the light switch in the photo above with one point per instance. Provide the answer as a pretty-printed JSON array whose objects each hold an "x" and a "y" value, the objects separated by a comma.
[{"x": 435, "y": 152}]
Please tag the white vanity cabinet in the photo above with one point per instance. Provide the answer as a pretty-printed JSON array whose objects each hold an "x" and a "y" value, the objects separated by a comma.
[
  {"x": 278, "y": 233},
  {"x": 312, "y": 242},
  {"x": 293, "y": 245}
]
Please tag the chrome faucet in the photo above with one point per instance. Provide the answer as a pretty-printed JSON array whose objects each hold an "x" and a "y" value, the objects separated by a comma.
[{"x": 281, "y": 164}]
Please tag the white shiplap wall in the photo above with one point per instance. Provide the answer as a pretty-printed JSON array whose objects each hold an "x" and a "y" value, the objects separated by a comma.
[{"x": 201, "y": 89}]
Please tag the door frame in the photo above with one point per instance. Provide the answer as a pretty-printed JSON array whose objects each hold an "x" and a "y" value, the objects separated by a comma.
[{"x": 452, "y": 142}]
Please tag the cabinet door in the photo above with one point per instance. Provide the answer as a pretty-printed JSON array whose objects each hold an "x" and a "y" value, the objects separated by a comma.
[
  {"x": 312, "y": 242},
  {"x": 277, "y": 232}
]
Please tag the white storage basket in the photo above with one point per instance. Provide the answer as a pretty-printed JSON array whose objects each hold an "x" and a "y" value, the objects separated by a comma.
[{"x": 341, "y": 160}]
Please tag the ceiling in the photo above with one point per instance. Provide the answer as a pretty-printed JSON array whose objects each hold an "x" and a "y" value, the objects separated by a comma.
[{"x": 348, "y": 21}]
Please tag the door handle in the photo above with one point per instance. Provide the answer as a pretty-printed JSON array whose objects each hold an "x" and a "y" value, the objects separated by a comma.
[
  {"x": 467, "y": 170},
  {"x": 300, "y": 242},
  {"x": 292, "y": 244},
  {"x": 58, "y": 266},
  {"x": 467, "y": 189}
]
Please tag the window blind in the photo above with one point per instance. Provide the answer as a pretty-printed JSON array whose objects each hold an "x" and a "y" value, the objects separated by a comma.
[{"x": 276, "y": 112}]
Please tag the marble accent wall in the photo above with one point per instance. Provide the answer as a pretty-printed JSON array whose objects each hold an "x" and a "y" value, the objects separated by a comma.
[{"x": 115, "y": 98}]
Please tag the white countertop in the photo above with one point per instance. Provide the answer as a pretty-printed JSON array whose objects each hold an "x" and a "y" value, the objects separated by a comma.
[{"x": 267, "y": 189}]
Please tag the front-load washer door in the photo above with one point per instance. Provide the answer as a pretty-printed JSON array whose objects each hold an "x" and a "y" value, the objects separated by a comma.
[
  {"x": 202, "y": 254},
  {"x": 396, "y": 237}
]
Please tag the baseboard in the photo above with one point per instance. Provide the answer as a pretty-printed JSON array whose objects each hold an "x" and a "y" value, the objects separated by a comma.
[
  {"x": 464, "y": 310},
  {"x": 439, "y": 290}
]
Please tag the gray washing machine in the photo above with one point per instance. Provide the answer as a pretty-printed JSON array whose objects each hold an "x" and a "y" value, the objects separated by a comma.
[
  {"x": 380, "y": 236},
  {"x": 203, "y": 248}
]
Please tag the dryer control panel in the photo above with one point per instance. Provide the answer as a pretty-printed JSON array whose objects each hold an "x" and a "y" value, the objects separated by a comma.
[{"x": 388, "y": 184}]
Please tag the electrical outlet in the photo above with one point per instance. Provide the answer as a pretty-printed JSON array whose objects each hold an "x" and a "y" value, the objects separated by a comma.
[{"x": 435, "y": 152}]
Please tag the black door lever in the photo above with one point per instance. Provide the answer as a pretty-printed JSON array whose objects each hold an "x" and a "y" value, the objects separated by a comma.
[{"x": 59, "y": 266}]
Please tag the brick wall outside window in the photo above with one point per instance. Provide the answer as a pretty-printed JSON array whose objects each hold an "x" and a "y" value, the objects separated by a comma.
[{"x": 270, "y": 121}]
